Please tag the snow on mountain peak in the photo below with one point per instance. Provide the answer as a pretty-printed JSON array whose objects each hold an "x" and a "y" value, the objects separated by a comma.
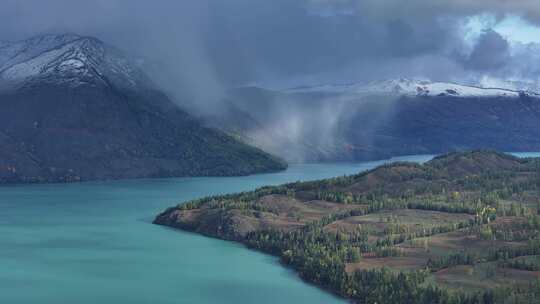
[
  {"x": 66, "y": 58},
  {"x": 410, "y": 87}
]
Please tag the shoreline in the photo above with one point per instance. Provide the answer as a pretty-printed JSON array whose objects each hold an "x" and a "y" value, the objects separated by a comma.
[{"x": 246, "y": 246}]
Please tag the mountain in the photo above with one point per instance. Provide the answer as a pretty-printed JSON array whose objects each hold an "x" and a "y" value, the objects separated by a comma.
[
  {"x": 67, "y": 60},
  {"x": 374, "y": 120},
  {"x": 411, "y": 88},
  {"x": 75, "y": 109}
]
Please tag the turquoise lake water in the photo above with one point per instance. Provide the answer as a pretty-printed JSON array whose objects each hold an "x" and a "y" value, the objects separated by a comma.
[{"x": 94, "y": 243}]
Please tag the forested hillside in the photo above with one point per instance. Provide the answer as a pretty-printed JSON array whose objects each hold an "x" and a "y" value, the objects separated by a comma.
[{"x": 461, "y": 228}]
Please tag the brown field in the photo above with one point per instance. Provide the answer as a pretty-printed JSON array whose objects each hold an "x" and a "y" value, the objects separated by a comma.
[
  {"x": 412, "y": 220},
  {"x": 482, "y": 276},
  {"x": 394, "y": 263},
  {"x": 415, "y": 253},
  {"x": 447, "y": 243},
  {"x": 303, "y": 211}
]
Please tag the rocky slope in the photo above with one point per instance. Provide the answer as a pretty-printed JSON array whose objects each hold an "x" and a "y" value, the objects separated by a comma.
[{"x": 76, "y": 109}]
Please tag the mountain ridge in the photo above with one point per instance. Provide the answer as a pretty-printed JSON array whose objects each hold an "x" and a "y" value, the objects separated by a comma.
[
  {"x": 76, "y": 109},
  {"x": 321, "y": 126},
  {"x": 413, "y": 87}
]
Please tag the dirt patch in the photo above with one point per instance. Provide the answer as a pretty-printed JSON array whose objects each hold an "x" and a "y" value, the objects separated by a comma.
[
  {"x": 401, "y": 220},
  {"x": 395, "y": 263}
]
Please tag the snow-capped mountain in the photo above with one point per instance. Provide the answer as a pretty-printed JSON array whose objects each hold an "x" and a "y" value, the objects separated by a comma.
[
  {"x": 411, "y": 87},
  {"x": 69, "y": 59},
  {"x": 372, "y": 120},
  {"x": 73, "y": 108}
]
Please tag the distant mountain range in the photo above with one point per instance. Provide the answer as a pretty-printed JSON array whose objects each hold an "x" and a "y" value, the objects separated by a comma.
[
  {"x": 380, "y": 119},
  {"x": 73, "y": 108},
  {"x": 414, "y": 87}
]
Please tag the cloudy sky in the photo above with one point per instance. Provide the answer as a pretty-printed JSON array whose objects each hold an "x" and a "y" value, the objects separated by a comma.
[{"x": 216, "y": 44}]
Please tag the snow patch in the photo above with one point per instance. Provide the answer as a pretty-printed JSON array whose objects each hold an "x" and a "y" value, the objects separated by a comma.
[
  {"x": 72, "y": 64},
  {"x": 67, "y": 59},
  {"x": 31, "y": 67}
]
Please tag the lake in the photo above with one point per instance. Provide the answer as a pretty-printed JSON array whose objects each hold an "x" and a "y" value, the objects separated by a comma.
[{"x": 94, "y": 243}]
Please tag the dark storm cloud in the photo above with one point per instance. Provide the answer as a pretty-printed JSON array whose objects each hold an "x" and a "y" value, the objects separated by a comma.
[
  {"x": 254, "y": 40},
  {"x": 198, "y": 47},
  {"x": 422, "y": 9},
  {"x": 354, "y": 40},
  {"x": 491, "y": 52},
  {"x": 241, "y": 39}
]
